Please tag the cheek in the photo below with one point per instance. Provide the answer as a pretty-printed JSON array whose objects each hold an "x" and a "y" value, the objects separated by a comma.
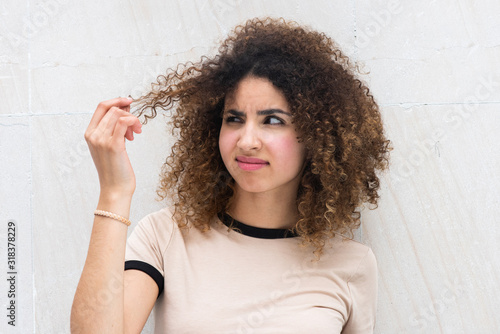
[
  {"x": 226, "y": 143},
  {"x": 289, "y": 150}
]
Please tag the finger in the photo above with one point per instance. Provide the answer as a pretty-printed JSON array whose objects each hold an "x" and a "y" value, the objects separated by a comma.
[
  {"x": 122, "y": 126},
  {"x": 136, "y": 127},
  {"x": 129, "y": 134},
  {"x": 107, "y": 124},
  {"x": 103, "y": 107}
]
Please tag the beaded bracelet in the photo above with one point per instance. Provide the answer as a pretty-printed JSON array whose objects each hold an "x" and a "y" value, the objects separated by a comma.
[{"x": 112, "y": 216}]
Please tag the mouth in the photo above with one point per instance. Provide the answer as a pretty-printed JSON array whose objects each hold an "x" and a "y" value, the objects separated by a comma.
[{"x": 249, "y": 164}]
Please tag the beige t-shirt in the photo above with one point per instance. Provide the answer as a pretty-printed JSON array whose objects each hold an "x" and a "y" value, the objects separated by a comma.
[{"x": 224, "y": 281}]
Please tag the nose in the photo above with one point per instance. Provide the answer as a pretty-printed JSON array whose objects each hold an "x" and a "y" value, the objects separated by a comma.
[{"x": 249, "y": 139}]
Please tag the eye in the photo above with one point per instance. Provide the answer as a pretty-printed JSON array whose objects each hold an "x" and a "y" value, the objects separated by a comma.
[
  {"x": 274, "y": 120},
  {"x": 233, "y": 119}
]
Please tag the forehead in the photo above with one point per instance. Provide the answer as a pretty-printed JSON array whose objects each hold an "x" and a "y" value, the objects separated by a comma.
[{"x": 253, "y": 91}]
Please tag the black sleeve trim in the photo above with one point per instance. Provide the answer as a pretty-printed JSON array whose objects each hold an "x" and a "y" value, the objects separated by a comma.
[{"x": 148, "y": 269}]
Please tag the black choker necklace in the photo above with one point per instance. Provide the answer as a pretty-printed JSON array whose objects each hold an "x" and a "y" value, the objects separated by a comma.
[{"x": 256, "y": 232}]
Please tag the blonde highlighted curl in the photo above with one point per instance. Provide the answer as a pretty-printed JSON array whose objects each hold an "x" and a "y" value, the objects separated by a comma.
[{"x": 333, "y": 112}]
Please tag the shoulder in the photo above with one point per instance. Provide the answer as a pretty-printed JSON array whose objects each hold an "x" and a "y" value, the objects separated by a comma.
[
  {"x": 156, "y": 222},
  {"x": 355, "y": 259},
  {"x": 363, "y": 260},
  {"x": 362, "y": 285},
  {"x": 156, "y": 228},
  {"x": 158, "y": 217}
]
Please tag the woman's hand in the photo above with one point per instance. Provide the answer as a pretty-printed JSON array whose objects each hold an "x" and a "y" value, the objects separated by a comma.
[{"x": 111, "y": 124}]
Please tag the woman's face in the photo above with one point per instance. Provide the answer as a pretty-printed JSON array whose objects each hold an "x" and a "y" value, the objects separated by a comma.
[{"x": 258, "y": 142}]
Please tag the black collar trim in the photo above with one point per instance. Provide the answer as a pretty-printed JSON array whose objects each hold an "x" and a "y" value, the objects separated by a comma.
[{"x": 256, "y": 232}]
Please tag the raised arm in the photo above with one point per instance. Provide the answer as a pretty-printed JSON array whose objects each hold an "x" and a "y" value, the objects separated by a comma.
[{"x": 98, "y": 306}]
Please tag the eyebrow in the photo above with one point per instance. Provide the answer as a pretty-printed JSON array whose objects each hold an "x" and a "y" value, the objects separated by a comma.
[{"x": 265, "y": 112}]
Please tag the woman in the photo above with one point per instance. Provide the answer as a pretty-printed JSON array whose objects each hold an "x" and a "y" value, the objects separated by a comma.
[{"x": 278, "y": 145}]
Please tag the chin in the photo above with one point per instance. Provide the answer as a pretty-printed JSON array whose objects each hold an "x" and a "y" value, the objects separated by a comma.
[{"x": 252, "y": 187}]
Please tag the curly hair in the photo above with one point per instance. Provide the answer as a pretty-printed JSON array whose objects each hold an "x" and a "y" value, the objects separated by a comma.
[{"x": 334, "y": 114}]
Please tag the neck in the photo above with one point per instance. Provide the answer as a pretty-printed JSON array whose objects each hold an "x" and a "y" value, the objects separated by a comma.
[{"x": 264, "y": 209}]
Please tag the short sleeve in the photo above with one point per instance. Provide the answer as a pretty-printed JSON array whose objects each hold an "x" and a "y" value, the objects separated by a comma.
[
  {"x": 146, "y": 245},
  {"x": 363, "y": 292}
]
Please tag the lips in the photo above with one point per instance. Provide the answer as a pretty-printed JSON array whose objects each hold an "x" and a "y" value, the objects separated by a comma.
[
  {"x": 249, "y": 160},
  {"x": 249, "y": 163}
]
